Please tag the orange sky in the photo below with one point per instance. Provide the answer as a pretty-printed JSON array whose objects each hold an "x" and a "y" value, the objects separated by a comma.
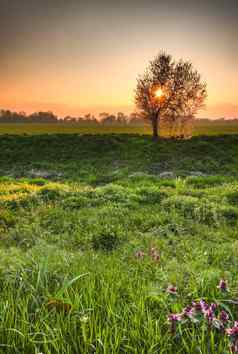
[{"x": 79, "y": 58}]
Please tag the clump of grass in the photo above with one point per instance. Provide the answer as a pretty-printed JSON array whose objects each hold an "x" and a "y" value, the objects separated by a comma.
[
  {"x": 7, "y": 218},
  {"x": 150, "y": 194},
  {"x": 232, "y": 197},
  {"x": 209, "y": 181},
  {"x": 107, "y": 238},
  {"x": 202, "y": 209},
  {"x": 50, "y": 193},
  {"x": 35, "y": 181}
]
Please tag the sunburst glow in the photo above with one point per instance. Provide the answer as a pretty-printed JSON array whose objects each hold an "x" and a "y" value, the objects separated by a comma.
[{"x": 159, "y": 93}]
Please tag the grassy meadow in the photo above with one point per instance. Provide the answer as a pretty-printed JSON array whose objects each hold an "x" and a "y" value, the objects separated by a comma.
[
  {"x": 200, "y": 128},
  {"x": 103, "y": 237}
]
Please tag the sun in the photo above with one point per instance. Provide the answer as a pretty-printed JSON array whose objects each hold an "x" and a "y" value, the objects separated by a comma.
[{"x": 159, "y": 93}]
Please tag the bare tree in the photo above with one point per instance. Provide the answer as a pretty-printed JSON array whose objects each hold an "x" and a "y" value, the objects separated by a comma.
[{"x": 169, "y": 89}]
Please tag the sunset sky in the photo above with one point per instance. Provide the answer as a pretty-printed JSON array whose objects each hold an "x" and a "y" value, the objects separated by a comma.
[{"x": 75, "y": 57}]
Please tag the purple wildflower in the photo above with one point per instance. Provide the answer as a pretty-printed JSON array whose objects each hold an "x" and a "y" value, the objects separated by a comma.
[
  {"x": 197, "y": 306},
  {"x": 209, "y": 315},
  {"x": 156, "y": 257},
  {"x": 173, "y": 318},
  {"x": 213, "y": 306},
  {"x": 223, "y": 285},
  {"x": 234, "y": 347},
  {"x": 204, "y": 305},
  {"x": 154, "y": 254},
  {"x": 187, "y": 312},
  {"x": 172, "y": 290},
  {"x": 139, "y": 254},
  {"x": 152, "y": 251},
  {"x": 223, "y": 316},
  {"x": 232, "y": 331}
]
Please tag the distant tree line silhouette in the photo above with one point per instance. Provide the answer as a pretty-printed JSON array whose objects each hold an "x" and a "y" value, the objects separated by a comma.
[
  {"x": 104, "y": 118},
  {"x": 7, "y": 116},
  {"x": 176, "y": 127}
]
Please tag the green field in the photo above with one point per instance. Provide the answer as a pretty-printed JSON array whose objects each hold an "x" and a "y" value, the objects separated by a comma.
[
  {"x": 95, "y": 228},
  {"x": 200, "y": 128}
]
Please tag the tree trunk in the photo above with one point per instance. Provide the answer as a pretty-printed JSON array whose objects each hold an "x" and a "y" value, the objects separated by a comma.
[{"x": 155, "y": 126}]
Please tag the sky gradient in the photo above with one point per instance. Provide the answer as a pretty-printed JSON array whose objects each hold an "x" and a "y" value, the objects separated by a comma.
[{"x": 73, "y": 57}]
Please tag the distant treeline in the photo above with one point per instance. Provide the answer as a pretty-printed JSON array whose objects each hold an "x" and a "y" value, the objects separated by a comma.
[
  {"x": 7, "y": 116},
  {"x": 120, "y": 119}
]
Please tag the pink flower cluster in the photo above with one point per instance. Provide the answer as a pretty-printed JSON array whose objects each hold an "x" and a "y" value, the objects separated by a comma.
[
  {"x": 201, "y": 310},
  {"x": 210, "y": 313},
  {"x": 232, "y": 333},
  {"x": 153, "y": 253},
  {"x": 140, "y": 254}
]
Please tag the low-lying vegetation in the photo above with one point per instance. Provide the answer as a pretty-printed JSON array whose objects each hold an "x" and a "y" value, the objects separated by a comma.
[
  {"x": 100, "y": 254},
  {"x": 200, "y": 127}
]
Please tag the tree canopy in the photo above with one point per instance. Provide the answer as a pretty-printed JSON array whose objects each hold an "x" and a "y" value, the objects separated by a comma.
[{"x": 169, "y": 90}]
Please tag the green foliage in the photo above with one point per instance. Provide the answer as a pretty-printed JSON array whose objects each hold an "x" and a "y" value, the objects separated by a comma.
[
  {"x": 169, "y": 90},
  {"x": 7, "y": 219},
  {"x": 201, "y": 127},
  {"x": 36, "y": 181},
  {"x": 232, "y": 197},
  {"x": 107, "y": 238},
  {"x": 229, "y": 213},
  {"x": 207, "y": 181},
  {"x": 83, "y": 242}
]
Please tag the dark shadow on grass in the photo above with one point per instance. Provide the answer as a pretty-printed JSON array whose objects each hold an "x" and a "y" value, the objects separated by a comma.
[{"x": 101, "y": 159}]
